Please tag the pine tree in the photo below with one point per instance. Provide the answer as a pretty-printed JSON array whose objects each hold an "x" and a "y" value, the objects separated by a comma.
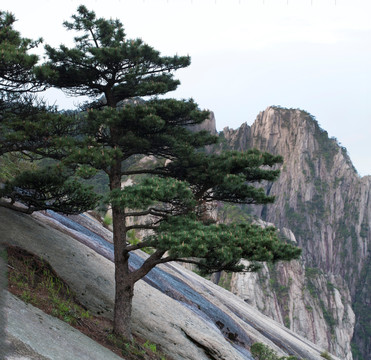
[{"x": 175, "y": 180}]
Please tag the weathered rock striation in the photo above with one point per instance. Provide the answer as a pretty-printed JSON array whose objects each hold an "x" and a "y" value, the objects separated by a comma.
[
  {"x": 188, "y": 316},
  {"x": 327, "y": 205}
]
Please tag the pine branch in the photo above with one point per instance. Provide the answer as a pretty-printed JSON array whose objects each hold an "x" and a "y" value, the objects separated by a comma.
[
  {"x": 150, "y": 211},
  {"x": 148, "y": 265},
  {"x": 143, "y": 171},
  {"x": 18, "y": 208},
  {"x": 142, "y": 227}
]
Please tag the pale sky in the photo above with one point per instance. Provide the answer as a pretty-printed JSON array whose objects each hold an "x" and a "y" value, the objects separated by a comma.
[{"x": 246, "y": 55}]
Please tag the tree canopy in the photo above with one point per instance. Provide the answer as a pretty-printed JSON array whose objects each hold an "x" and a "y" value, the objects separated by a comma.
[{"x": 105, "y": 62}]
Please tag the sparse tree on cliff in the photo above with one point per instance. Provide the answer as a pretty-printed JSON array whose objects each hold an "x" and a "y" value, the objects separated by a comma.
[{"x": 174, "y": 180}]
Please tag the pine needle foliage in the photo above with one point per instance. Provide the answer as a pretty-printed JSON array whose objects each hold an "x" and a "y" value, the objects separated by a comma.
[{"x": 16, "y": 64}]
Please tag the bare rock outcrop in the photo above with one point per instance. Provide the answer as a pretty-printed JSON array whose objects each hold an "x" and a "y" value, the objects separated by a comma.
[{"x": 207, "y": 125}]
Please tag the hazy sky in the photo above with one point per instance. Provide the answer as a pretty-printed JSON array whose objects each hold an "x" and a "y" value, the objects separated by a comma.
[{"x": 246, "y": 55}]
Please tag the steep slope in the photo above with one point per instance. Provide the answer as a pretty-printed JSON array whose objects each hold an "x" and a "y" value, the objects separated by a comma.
[
  {"x": 190, "y": 317},
  {"x": 322, "y": 199}
]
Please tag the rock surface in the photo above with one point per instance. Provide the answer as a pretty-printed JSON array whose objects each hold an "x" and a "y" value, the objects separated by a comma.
[
  {"x": 197, "y": 319},
  {"x": 207, "y": 125}
]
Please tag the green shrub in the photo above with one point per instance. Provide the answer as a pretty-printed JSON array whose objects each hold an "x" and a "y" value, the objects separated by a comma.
[
  {"x": 107, "y": 220},
  {"x": 263, "y": 352},
  {"x": 326, "y": 355},
  {"x": 150, "y": 346}
]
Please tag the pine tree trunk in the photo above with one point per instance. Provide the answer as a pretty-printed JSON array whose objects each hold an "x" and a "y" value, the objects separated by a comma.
[{"x": 124, "y": 285}]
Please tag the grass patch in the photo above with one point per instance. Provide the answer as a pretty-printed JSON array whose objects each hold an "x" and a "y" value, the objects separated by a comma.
[{"x": 34, "y": 281}]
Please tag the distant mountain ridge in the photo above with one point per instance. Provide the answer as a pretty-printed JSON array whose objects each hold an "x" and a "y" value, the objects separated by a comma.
[{"x": 327, "y": 205}]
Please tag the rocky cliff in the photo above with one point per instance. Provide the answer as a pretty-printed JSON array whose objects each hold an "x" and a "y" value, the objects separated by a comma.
[{"x": 327, "y": 205}]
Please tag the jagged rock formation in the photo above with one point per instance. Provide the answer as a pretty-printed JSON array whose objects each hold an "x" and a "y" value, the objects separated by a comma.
[{"x": 327, "y": 205}]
